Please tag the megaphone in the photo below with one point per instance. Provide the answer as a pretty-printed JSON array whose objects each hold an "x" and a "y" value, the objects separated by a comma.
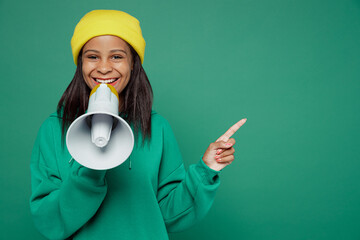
[{"x": 100, "y": 139}]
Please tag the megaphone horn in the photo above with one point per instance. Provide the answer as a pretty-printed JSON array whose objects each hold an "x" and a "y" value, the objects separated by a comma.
[{"x": 100, "y": 139}]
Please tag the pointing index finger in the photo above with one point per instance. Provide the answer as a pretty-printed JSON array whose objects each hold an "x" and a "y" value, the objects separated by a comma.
[{"x": 225, "y": 137}]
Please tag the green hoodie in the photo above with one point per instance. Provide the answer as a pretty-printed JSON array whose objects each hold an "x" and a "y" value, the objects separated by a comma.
[{"x": 154, "y": 197}]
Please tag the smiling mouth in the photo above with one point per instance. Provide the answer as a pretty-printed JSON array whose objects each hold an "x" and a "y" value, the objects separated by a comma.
[{"x": 105, "y": 80}]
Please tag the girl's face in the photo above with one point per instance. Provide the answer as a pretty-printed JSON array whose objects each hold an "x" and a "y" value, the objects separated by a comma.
[{"x": 107, "y": 59}]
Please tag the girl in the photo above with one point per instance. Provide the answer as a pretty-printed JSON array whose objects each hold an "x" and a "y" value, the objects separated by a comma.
[{"x": 156, "y": 195}]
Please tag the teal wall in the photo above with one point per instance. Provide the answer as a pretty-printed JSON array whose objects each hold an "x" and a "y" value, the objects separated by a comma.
[{"x": 291, "y": 67}]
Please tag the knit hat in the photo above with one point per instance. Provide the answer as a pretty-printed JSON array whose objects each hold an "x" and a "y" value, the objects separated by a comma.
[{"x": 108, "y": 22}]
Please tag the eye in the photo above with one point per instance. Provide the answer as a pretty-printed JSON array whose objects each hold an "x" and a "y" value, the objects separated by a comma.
[
  {"x": 117, "y": 57},
  {"x": 92, "y": 57}
]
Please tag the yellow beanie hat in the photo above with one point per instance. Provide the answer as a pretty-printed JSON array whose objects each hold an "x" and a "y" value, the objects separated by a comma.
[{"x": 108, "y": 22}]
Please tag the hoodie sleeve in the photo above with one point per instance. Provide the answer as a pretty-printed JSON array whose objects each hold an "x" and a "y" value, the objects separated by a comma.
[
  {"x": 184, "y": 197},
  {"x": 61, "y": 205}
]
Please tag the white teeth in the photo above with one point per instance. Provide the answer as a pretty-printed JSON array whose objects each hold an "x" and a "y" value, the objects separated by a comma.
[{"x": 105, "y": 81}]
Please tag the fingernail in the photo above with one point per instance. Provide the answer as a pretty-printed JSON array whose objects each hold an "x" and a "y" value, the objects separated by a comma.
[
  {"x": 217, "y": 156},
  {"x": 218, "y": 160},
  {"x": 228, "y": 144},
  {"x": 218, "y": 152}
]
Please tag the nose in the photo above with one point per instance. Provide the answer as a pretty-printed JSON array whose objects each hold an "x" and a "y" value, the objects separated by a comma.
[{"x": 104, "y": 67}]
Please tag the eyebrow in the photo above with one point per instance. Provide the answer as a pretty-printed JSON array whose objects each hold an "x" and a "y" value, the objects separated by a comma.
[{"x": 114, "y": 50}]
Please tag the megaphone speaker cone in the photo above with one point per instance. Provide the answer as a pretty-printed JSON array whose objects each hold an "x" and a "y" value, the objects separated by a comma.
[
  {"x": 83, "y": 150},
  {"x": 100, "y": 139}
]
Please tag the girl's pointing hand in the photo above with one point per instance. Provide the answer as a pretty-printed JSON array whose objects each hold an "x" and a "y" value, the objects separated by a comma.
[{"x": 220, "y": 153}]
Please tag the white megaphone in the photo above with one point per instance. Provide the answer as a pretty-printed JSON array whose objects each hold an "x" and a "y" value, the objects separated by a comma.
[{"x": 100, "y": 139}]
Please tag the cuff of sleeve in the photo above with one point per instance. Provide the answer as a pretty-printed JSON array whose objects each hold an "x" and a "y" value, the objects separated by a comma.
[
  {"x": 91, "y": 176},
  {"x": 209, "y": 175}
]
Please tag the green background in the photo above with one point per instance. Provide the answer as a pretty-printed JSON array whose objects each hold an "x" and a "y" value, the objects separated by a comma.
[{"x": 291, "y": 67}]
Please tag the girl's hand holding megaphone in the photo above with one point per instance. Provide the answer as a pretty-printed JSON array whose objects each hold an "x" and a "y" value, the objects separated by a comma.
[{"x": 220, "y": 153}]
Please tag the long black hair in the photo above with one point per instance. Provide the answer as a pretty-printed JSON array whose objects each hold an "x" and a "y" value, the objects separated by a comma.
[{"x": 137, "y": 96}]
